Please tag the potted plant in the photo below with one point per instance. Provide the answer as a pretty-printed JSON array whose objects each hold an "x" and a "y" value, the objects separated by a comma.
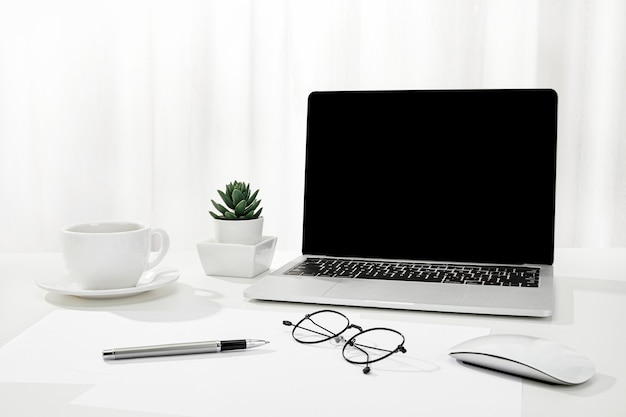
[
  {"x": 238, "y": 248},
  {"x": 239, "y": 219}
]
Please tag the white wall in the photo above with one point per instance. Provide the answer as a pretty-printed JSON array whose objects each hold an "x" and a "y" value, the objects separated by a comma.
[{"x": 140, "y": 109}]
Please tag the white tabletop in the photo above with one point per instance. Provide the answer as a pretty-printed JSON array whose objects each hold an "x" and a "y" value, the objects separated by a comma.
[{"x": 590, "y": 302}]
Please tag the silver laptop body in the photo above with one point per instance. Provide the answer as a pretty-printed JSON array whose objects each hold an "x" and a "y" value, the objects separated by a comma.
[{"x": 454, "y": 178}]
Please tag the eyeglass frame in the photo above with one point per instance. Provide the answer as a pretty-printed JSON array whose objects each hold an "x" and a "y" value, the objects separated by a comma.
[{"x": 338, "y": 337}]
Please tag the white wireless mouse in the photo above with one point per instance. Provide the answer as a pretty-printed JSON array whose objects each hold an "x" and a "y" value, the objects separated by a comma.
[{"x": 526, "y": 356}]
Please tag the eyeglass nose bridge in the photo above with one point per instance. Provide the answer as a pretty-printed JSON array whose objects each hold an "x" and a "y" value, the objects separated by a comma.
[
  {"x": 339, "y": 339},
  {"x": 355, "y": 326}
]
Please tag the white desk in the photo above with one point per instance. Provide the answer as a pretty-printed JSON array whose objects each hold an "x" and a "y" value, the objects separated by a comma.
[{"x": 590, "y": 306}]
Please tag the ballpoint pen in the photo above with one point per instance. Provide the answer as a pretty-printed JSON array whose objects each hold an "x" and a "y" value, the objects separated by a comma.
[{"x": 181, "y": 348}]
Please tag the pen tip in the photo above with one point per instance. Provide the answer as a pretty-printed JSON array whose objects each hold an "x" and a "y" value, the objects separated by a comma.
[{"x": 250, "y": 343}]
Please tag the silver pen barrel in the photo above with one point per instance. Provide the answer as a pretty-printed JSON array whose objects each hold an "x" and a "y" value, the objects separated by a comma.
[{"x": 162, "y": 350}]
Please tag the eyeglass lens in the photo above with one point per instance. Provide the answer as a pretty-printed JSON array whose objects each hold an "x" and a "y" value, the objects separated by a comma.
[
  {"x": 372, "y": 345},
  {"x": 320, "y": 326}
]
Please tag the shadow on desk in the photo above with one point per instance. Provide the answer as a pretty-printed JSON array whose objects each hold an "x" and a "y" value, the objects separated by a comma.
[{"x": 177, "y": 302}]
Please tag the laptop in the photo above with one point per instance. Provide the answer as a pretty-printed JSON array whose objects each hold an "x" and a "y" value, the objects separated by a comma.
[{"x": 430, "y": 200}]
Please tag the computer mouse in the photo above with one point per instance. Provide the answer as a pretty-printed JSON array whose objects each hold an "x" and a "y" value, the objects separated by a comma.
[{"x": 526, "y": 356}]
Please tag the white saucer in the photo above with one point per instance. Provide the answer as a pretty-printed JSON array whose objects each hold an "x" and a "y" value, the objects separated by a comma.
[{"x": 150, "y": 280}]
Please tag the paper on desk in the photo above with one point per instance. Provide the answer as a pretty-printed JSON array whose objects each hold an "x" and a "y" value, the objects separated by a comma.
[{"x": 284, "y": 377}]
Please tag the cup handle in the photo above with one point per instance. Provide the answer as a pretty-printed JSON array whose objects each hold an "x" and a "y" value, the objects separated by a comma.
[{"x": 165, "y": 245}]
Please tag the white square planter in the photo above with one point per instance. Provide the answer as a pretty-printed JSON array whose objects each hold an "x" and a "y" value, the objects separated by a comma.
[{"x": 235, "y": 260}]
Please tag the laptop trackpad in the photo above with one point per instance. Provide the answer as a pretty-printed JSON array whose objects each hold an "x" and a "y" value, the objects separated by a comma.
[
  {"x": 397, "y": 291},
  {"x": 290, "y": 288}
]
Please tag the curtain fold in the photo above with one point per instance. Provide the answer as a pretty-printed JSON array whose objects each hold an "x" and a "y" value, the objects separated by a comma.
[{"x": 140, "y": 110}]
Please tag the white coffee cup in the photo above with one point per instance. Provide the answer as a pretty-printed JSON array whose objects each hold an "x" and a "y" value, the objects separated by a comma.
[{"x": 110, "y": 255}]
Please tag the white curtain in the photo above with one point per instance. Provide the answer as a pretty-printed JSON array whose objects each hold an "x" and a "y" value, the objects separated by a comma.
[{"x": 141, "y": 109}]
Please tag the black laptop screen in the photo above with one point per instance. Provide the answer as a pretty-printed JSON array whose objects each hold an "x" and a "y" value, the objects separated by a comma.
[{"x": 442, "y": 175}]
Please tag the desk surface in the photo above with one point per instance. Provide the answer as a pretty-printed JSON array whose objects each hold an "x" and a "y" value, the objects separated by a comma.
[{"x": 590, "y": 302}]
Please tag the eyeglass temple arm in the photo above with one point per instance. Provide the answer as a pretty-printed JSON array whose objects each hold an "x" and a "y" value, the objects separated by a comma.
[
  {"x": 367, "y": 369},
  {"x": 336, "y": 336}
]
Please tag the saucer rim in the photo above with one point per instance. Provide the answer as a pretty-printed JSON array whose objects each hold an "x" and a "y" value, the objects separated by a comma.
[{"x": 161, "y": 279}]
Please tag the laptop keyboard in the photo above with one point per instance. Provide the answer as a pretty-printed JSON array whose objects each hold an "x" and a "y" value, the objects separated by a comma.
[{"x": 510, "y": 276}]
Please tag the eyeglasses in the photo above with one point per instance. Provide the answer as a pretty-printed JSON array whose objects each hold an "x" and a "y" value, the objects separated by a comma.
[{"x": 365, "y": 347}]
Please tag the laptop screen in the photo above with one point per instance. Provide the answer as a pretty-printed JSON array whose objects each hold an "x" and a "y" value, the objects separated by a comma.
[{"x": 441, "y": 175}]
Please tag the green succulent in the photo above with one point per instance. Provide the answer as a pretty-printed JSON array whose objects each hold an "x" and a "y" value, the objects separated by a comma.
[{"x": 240, "y": 204}]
